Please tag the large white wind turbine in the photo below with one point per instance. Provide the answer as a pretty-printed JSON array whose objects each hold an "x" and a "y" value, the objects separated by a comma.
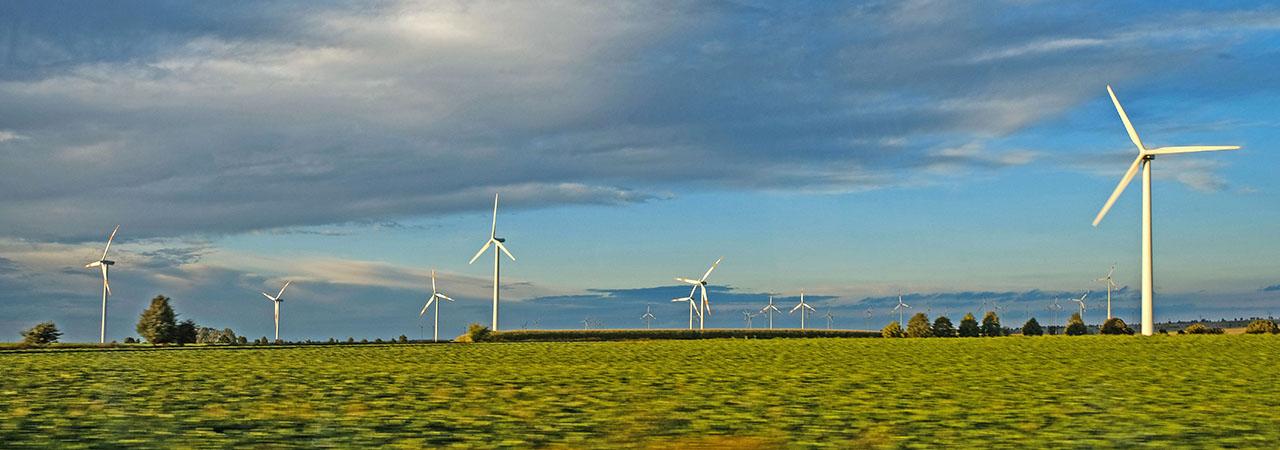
[
  {"x": 770, "y": 309},
  {"x": 648, "y": 318},
  {"x": 496, "y": 242},
  {"x": 277, "y": 300},
  {"x": 704, "y": 307},
  {"x": 804, "y": 309},
  {"x": 900, "y": 308},
  {"x": 1143, "y": 161},
  {"x": 104, "y": 263},
  {"x": 1110, "y": 283},
  {"x": 436, "y": 296}
]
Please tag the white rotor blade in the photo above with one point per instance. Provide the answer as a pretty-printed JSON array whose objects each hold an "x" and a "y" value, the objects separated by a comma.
[
  {"x": 504, "y": 249},
  {"x": 493, "y": 231},
  {"x": 482, "y": 249},
  {"x": 109, "y": 239},
  {"x": 713, "y": 267},
  {"x": 686, "y": 280},
  {"x": 446, "y": 297},
  {"x": 1191, "y": 149},
  {"x": 268, "y": 296},
  {"x": 105, "y": 283},
  {"x": 93, "y": 264},
  {"x": 286, "y": 286},
  {"x": 706, "y": 304},
  {"x": 433, "y": 281},
  {"x": 428, "y": 305},
  {"x": 1133, "y": 134},
  {"x": 682, "y": 299},
  {"x": 793, "y": 310},
  {"x": 1124, "y": 182},
  {"x": 806, "y": 306}
]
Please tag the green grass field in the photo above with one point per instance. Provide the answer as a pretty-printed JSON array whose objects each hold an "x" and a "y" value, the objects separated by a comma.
[{"x": 1160, "y": 392}]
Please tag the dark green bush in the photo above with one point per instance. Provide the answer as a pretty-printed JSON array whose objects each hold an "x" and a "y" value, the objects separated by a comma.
[
  {"x": 1115, "y": 325},
  {"x": 918, "y": 326},
  {"x": 892, "y": 330},
  {"x": 1032, "y": 328},
  {"x": 1076, "y": 326}
]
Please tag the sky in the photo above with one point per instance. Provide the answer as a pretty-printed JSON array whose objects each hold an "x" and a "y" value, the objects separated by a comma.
[{"x": 953, "y": 152}]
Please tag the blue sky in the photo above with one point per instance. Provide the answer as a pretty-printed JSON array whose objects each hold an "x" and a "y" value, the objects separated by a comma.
[{"x": 953, "y": 151}]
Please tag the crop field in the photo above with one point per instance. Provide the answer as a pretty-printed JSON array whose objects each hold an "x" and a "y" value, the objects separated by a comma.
[{"x": 1158, "y": 392}]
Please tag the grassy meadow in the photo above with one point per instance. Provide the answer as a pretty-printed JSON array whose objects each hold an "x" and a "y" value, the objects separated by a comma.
[{"x": 1123, "y": 392}]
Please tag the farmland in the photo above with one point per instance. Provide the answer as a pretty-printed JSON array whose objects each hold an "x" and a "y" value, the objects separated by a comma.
[{"x": 1182, "y": 391}]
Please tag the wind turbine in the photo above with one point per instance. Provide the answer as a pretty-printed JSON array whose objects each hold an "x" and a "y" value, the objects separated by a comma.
[
  {"x": 868, "y": 320},
  {"x": 104, "y": 263},
  {"x": 1081, "y": 302},
  {"x": 277, "y": 300},
  {"x": 900, "y": 308},
  {"x": 1055, "y": 307},
  {"x": 704, "y": 308},
  {"x": 1143, "y": 161},
  {"x": 770, "y": 309},
  {"x": 747, "y": 315},
  {"x": 689, "y": 299},
  {"x": 647, "y": 317},
  {"x": 435, "y": 295},
  {"x": 828, "y": 316},
  {"x": 1110, "y": 283},
  {"x": 804, "y": 309},
  {"x": 496, "y": 242}
]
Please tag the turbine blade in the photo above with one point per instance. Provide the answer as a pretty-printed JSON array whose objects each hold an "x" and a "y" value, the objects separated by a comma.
[
  {"x": 482, "y": 249},
  {"x": 286, "y": 286},
  {"x": 424, "y": 308},
  {"x": 713, "y": 268},
  {"x": 504, "y": 250},
  {"x": 446, "y": 297},
  {"x": 1133, "y": 134},
  {"x": 268, "y": 296},
  {"x": 689, "y": 281},
  {"x": 493, "y": 231},
  {"x": 1191, "y": 149},
  {"x": 105, "y": 282},
  {"x": 93, "y": 264},
  {"x": 433, "y": 281},
  {"x": 109, "y": 239},
  {"x": 793, "y": 310},
  {"x": 1124, "y": 182}
]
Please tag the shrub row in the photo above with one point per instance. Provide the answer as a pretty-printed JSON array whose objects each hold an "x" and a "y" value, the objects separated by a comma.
[{"x": 630, "y": 335}]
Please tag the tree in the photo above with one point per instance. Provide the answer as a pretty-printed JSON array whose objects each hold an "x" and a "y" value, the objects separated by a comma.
[
  {"x": 241, "y": 340},
  {"x": 1115, "y": 325},
  {"x": 130, "y": 340},
  {"x": 185, "y": 332},
  {"x": 991, "y": 325},
  {"x": 969, "y": 326},
  {"x": 41, "y": 334},
  {"x": 1262, "y": 326},
  {"x": 403, "y": 339},
  {"x": 1032, "y": 328},
  {"x": 1075, "y": 326},
  {"x": 942, "y": 327},
  {"x": 158, "y": 323},
  {"x": 892, "y": 330},
  {"x": 475, "y": 333},
  {"x": 918, "y": 326}
]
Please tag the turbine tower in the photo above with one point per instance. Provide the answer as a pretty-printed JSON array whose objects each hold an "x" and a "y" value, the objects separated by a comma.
[
  {"x": 804, "y": 309},
  {"x": 496, "y": 242},
  {"x": 704, "y": 308},
  {"x": 770, "y": 309},
  {"x": 900, "y": 308},
  {"x": 1110, "y": 283},
  {"x": 689, "y": 299},
  {"x": 277, "y": 300},
  {"x": 435, "y": 296},
  {"x": 1143, "y": 161},
  {"x": 648, "y": 317},
  {"x": 104, "y": 263}
]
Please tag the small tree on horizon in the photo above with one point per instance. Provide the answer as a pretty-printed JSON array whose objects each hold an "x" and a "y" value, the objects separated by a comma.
[
  {"x": 969, "y": 326},
  {"x": 892, "y": 330},
  {"x": 942, "y": 327},
  {"x": 1115, "y": 325},
  {"x": 1076, "y": 326},
  {"x": 185, "y": 332},
  {"x": 918, "y": 326},
  {"x": 158, "y": 323},
  {"x": 42, "y": 333},
  {"x": 1262, "y": 326},
  {"x": 1032, "y": 328},
  {"x": 991, "y": 325}
]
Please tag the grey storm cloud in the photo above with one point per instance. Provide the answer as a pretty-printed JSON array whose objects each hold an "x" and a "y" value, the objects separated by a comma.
[
  {"x": 1272, "y": 288},
  {"x": 239, "y": 116}
]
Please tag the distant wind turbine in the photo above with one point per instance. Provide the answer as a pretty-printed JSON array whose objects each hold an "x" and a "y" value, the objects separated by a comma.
[
  {"x": 747, "y": 315},
  {"x": 1081, "y": 302},
  {"x": 277, "y": 300},
  {"x": 1110, "y": 283},
  {"x": 647, "y": 317},
  {"x": 704, "y": 307},
  {"x": 435, "y": 297},
  {"x": 1143, "y": 161},
  {"x": 829, "y": 317},
  {"x": 900, "y": 308},
  {"x": 104, "y": 263},
  {"x": 804, "y": 309},
  {"x": 770, "y": 309},
  {"x": 1055, "y": 307},
  {"x": 496, "y": 242}
]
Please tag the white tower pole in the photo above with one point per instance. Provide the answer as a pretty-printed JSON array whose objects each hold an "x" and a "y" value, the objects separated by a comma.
[
  {"x": 496, "y": 261},
  {"x": 102, "y": 328},
  {"x": 435, "y": 333},
  {"x": 277, "y": 315},
  {"x": 1148, "y": 283}
]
